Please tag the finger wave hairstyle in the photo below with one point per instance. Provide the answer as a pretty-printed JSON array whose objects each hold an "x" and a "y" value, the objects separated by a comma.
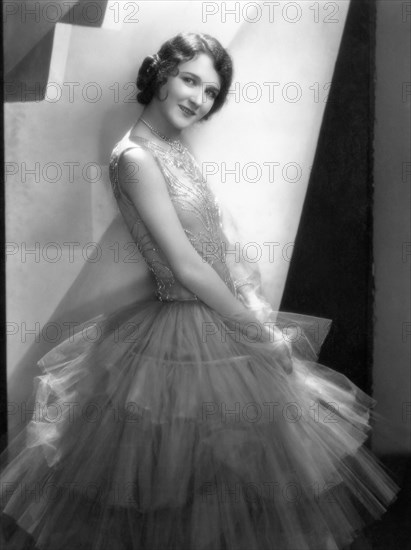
[{"x": 156, "y": 69}]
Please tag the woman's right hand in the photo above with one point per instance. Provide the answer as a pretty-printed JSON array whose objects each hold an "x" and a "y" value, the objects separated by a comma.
[
  {"x": 281, "y": 347},
  {"x": 251, "y": 330}
]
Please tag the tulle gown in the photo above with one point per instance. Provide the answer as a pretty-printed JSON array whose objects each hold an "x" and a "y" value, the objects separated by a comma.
[{"x": 162, "y": 427}]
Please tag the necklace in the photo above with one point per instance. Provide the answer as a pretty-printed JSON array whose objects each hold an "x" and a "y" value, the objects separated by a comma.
[
  {"x": 179, "y": 155},
  {"x": 176, "y": 145}
]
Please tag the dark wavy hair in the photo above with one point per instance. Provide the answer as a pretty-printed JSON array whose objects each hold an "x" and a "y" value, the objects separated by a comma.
[{"x": 156, "y": 69}]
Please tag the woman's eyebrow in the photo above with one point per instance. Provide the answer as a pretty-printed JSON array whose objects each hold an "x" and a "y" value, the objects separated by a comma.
[{"x": 210, "y": 84}]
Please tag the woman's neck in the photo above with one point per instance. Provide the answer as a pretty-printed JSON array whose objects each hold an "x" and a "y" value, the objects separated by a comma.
[{"x": 156, "y": 120}]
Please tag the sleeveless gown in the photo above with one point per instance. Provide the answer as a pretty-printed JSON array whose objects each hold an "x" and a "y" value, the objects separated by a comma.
[{"x": 167, "y": 432}]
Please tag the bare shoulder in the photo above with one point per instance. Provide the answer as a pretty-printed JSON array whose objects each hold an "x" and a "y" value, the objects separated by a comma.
[
  {"x": 138, "y": 165},
  {"x": 136, "y": 160},
  {"x": 139, "y": 172}
]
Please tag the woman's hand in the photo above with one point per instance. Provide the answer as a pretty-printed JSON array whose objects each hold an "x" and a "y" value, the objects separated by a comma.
[
  {"x": 282, "y": 347},
  {"x": 249, "y": 298},
  {"x": 270, "y": 333}
]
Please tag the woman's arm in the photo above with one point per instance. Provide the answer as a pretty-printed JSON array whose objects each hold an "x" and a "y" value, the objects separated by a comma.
[
  {"x": 148, "y": 191},
  {"x": 247, "y": 279}
]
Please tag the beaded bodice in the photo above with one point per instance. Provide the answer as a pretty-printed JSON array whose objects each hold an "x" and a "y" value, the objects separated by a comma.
[{"x": 195, "y": 205}]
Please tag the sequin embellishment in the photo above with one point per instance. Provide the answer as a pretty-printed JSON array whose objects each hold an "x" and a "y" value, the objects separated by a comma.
[{"x": 196, "y": 207}]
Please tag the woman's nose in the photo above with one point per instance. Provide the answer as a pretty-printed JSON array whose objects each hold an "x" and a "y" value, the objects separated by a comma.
[{"x": 196, "y": 97}]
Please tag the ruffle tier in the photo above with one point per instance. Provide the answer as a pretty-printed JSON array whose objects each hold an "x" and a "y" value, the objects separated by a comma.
[{"x": 158, "y": 428}]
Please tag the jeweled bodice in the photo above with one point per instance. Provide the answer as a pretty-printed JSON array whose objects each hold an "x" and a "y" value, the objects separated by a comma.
[{"x": 195, "y": 205}]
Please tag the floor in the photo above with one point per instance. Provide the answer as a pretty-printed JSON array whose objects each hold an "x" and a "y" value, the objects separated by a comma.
[{"x": 393, "y": 531}]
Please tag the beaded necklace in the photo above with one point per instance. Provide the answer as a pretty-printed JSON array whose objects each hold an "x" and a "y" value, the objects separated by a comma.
[{"x": 176, "y": 145}]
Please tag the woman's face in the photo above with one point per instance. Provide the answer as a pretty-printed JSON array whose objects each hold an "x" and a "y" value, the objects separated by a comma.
[{"x": 190, "y": 94}]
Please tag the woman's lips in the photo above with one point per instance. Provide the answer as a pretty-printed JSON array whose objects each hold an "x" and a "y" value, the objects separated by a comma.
[{"x": 187, "y": 111}]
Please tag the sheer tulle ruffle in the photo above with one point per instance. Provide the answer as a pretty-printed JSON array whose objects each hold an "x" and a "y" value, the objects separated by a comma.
[{"x": 159, "y": 427}]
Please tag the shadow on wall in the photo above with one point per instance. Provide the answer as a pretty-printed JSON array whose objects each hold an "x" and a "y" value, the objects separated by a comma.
[{"x": 28, "y": 41}]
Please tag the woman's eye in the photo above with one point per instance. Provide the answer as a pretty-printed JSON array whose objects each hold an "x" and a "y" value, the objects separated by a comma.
[
  {"x": 211, "y": 93},
  {"x": 188, "y": 79}
]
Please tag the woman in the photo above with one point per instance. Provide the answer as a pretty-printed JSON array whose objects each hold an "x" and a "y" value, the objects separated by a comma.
[{"x": 192, "y": 422}]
